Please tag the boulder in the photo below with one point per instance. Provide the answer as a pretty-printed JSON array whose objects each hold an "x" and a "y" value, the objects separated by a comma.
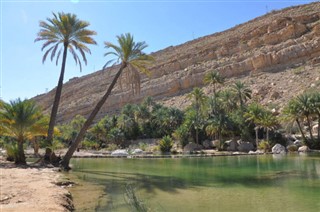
[
  {"x": 303, "y": 149},
  {"x": 245, "y": 147},
  {"x": 120, "y": 152},
  {"x": 215, "y": 143},
  {"x": 231, "y": 145},
  {"x": 137, "y": 152},
  {"x": 260, "y": 151},
  {"x": 191, "y": 147},
  {"x": 278, "y": 149}
]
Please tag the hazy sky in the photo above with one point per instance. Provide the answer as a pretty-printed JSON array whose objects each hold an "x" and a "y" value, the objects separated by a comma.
[{"x": 159, "y": 23}]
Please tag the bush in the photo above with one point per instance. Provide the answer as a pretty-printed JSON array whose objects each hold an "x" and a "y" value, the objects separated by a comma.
[
  {"x": 182, "y": 135},
  {"x": 166, "y": 144},
  {"x": 57, "y": 144},
  {"x": 12, "y": 152},
  {"x": 112, "y": 147},
  {"x": 89, "y": 144},
  {"x": 292, "y": 148},
  {"x": 143, "y": 146},
  {"x": 265, "y": 146}
]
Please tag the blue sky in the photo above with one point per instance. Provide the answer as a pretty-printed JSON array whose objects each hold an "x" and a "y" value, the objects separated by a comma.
[{"x": 159, "y": 23}]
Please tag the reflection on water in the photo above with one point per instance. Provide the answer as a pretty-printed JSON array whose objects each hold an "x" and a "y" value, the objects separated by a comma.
[{"x": 230, "y": 183}]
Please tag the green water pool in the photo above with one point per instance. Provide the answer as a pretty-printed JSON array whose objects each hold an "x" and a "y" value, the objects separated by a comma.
[{"x": 226, "y": 183}]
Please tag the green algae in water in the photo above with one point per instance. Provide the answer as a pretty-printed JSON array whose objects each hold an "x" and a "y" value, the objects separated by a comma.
[{"x": 230, "y": 183}]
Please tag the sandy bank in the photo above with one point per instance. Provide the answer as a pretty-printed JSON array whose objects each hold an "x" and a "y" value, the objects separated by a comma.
[{"x": 31, "y": 189}]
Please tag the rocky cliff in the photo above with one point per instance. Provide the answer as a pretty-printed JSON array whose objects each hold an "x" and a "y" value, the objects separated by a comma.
[{"x": 267, "y": 53}]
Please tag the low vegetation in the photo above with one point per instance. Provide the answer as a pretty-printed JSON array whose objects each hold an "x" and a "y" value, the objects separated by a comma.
[{"x": 227, "y": 114}]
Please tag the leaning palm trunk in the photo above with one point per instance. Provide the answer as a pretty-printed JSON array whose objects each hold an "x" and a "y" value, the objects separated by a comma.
[
  {"x": 49, "y": 152},
  {"x": 57, "y": 97},
  {"x": 66, "y": 159}
]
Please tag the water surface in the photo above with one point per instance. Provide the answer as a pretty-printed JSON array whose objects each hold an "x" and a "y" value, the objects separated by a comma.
[{"x": 228, "y": 183}]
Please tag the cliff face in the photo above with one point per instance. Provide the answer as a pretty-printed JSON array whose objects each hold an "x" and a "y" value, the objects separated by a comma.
[{"x": 269, "y": 44}]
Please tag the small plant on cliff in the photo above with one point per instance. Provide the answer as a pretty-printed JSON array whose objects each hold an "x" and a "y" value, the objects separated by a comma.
[{"x": 166, "y": 144}]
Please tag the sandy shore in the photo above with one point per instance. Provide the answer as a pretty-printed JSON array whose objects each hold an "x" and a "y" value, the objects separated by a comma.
[{"x": 31, "y": 189}]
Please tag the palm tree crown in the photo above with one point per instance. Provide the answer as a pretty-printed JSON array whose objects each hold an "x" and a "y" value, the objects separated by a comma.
[
  {"x": 67, "y": 30},
  {"x": 243, "y": 93},
  {"x": 130, "y": 54}
]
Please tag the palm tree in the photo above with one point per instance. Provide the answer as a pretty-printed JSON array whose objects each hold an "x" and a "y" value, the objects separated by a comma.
[
  {"x": 243, "y": 93},
  {"x": 315, "y": 105},
  {"x": 292, "y": 114},
  {"x": 213, "y": 78},
  {"x": 130, "y": 55},
  {"x": 199, "y": 100},
  {"x": 254, "y": 115},
  {"x": 269, "y": 122},
  {"x": 228, "y": 100},
  {"x": 220, "y": 125},
  {"x": 305, "y": 106},
  {"x": 61, "y": 33},
  {"x": 22, "y": 120}
]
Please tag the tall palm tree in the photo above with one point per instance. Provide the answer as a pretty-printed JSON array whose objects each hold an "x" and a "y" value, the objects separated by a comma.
[
  {"x": 243, "y": 93},
  {"x": 61, "y": 33},
  {"x": 269, "y": 122},
  {"x": 22, "y": 120},
  {"x": 130, "y": 56},
  {"x": 292, "y": 114},
  {"x": 315, "y": 105},
  {"x": 199, "y": 100},
  {"x": 305, "y": 106},
  {"x": 213, "y": 78},
  {"x": 228, "y": 100},
  {"x": 254, "y": 115}
]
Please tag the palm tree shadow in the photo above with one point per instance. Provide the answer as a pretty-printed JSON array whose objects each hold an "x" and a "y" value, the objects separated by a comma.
[{"x": 117, "y": 180}]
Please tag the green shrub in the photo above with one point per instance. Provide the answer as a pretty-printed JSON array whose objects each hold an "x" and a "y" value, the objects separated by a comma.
[
  {"x": 112, "y": 147},
  {"x": 182, "y": 135},
  {"x": 143, "y": 146},
  {"x": 12, "y": 152},
  {"x": 292, "y": 148},
  {"x": 89, "y": 144},
  {"x": 264, "y": 145},
  {"x": 165, "y": 144},
  {"x": 57, "y": 144}
]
